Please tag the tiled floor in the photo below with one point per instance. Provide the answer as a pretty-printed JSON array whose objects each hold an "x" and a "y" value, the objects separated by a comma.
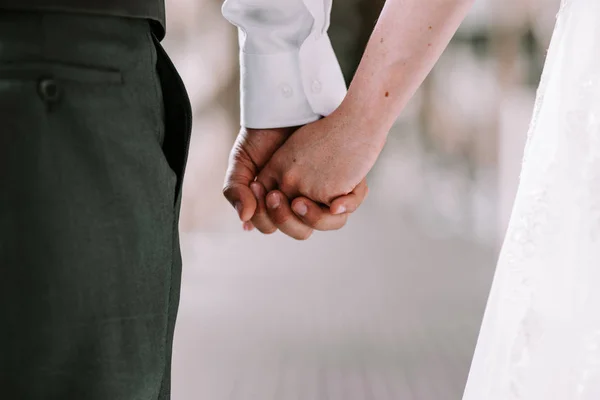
[{"x": 377, "y": 311}]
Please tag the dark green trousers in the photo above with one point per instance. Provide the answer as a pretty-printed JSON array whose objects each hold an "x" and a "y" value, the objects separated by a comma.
[{"x": 94, "y": 129}]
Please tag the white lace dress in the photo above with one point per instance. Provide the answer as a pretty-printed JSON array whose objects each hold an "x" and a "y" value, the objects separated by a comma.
[{"x": 540, "y": 338}]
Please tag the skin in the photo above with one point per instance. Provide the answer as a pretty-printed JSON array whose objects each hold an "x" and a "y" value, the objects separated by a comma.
[
  {"x": 252, "y": 150},
  {"x": 323, "y": 165}
]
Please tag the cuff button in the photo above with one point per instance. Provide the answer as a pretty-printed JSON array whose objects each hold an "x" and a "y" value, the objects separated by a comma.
[
  {"x": 316, "y": 86},
  {"x": 286, "y": 90}
]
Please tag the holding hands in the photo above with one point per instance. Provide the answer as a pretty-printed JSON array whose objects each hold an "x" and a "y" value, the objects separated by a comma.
[
  {"x": 271, "y": 167},
  {"x": 326, "y": 161},
  {"x": 321, "y": 167}
]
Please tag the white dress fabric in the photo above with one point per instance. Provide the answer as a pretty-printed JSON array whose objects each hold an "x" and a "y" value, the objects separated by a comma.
[{"x": 540, "y": 337}]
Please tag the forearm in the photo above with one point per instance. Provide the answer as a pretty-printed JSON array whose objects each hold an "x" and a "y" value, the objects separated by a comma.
[{"x": 408, "y": 39}]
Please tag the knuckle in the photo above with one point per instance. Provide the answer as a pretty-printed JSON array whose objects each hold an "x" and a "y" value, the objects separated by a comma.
[
  {"x": 335, "y": 225},
  {"x": 303, "y": 236},
  {"x": 280, "y": 217},
  {"x": 269, "y": 231},
  {"x": 263, "y": 226},
  {"x": 314, "y": 219},
  {"x": 288, "y": 181},
  {"x": 323, "y": 195}
]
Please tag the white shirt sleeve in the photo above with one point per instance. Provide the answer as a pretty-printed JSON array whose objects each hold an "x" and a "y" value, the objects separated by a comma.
[{"x": 289, "y": 73}]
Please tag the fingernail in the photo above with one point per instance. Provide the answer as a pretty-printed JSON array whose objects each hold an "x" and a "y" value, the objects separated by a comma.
[
  {"x": 247, "y": 226},
  {"x": 239, "y": 208},
  {"x": 255, "y": 187},
  {"x": 300, "y": 209},
  {"x": 340, "y": 210},
  {"x": 273, "y": 201}
]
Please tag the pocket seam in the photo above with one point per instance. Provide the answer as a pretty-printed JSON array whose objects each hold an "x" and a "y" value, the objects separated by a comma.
[
  {"x": 158, "y": 95},
  {"x": 23, "y": 70}
]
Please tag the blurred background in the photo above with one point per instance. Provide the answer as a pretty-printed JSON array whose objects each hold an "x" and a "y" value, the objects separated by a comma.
[{"x": 389, "y": 307}]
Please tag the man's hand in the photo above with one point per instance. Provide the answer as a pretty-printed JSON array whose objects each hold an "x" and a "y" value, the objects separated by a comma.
[
  {"x": 325, "y": 161},
  {"x": 251, "y": 151}
]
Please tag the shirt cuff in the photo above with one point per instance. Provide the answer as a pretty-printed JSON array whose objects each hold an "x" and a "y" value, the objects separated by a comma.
[{"x": 290, "y": 89}]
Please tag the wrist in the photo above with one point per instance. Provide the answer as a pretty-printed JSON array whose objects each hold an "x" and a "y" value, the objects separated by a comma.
[
  {"x": 260, "y": 144},
  {"x": 365, "y": 117}
]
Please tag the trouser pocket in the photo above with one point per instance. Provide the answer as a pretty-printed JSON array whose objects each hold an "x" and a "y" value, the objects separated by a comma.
[
  {"x": 50, "y": 78},
  {"x": 178, "y": 116},
  {"x": 67, "y": 72}
]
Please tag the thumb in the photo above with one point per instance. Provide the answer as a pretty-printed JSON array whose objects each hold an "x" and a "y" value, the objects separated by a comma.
[
  {"x": 236, "y": 189},
  {"x": 241, "y": 198}
]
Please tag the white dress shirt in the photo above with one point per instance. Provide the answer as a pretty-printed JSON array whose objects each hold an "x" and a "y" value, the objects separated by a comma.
[{"x": 289, "y": 73}]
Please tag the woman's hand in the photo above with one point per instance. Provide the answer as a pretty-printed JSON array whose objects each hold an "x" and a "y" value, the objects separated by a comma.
[{"x": 324, "y": 160}]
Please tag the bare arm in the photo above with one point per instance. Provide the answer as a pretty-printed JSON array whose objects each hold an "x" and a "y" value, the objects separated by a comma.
[
  {"x": 329, "y": 158},
  {"x": 407, "y": 41}
]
